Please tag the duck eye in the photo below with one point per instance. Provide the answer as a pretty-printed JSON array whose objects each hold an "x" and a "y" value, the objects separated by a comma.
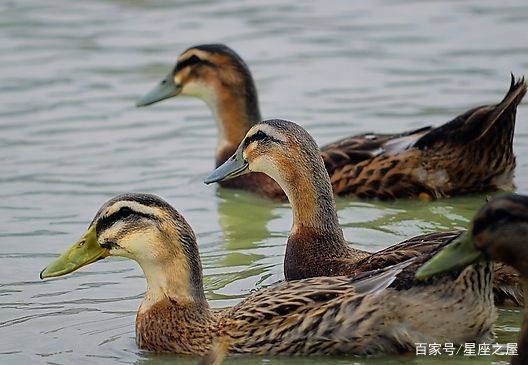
[
  {"x": 125, "y": 212},
  {"x": 259, "y": 136},
  {"x": 193, "y": 60},
  {"x": 255, "y": 137}
]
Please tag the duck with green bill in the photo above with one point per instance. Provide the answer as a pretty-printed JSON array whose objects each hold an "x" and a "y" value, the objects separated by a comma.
[
  {"x": 499, "y": 233},
  {"x": 370, "y": 313}
]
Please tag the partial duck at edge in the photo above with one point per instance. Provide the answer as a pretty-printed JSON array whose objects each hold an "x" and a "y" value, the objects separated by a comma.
[{"x": 498, "y": 232}]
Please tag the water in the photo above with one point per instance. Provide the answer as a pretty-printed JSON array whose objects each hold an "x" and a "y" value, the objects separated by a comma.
[{"x": 71, "y": 138}]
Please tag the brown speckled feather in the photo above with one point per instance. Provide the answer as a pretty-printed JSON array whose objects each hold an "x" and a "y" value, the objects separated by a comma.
[
  {"x": 169, "y": 326},
  {"x": 371, "y": 312},
  {"x": 471, "y": 153},
  {"x": 339, "y": 320},
  {"x": 355, "y": 149},
  {"x": 419, "y": 246},
  {"x": 367, "y": 315},
  {"x": 308, "y": 262}
]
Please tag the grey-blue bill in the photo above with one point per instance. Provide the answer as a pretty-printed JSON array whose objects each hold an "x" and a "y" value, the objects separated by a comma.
[
  {"x": 166, "y": 89},
  {"x": 235, "y": 166}
]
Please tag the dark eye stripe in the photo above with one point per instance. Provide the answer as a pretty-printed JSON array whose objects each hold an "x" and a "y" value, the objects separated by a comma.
[
  {"x": 188, "y": 62},
  {"x": 259, "y": 136},
  {"x": 122, "y": 214},
  {"x": 191, "y": 61}
]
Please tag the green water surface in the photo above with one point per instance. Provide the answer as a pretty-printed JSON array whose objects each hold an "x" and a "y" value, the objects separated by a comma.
[{"x": 71, "y": 138}]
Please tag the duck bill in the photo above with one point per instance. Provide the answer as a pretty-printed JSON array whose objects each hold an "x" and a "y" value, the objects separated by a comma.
[
  {"x": 233, "y": 167},
  {"x": 81, "y": 253},
  {"x": 166, "y": 89},
  {"x": 458, "y": 254}
]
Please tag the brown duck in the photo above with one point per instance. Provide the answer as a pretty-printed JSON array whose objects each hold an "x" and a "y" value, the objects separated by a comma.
[
  {"x": 384, "y": 311},
  {"x": 316, "y": 245},
  {"x": 471, "y": 153},
  {"x": 498, "y": 233}
]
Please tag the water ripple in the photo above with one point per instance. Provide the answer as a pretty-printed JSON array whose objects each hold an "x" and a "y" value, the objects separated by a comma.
[{"x": 72, "y": 138}]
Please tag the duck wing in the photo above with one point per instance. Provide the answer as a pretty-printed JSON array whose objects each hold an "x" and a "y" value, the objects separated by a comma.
[
  {"x": 355, "y": 149},
  {"x": 506, "y": 282},
  {"x": 495, "y": 120},
  {"x": 282, "y": 298},
  {"x": 472, "y": 125},
  {"x": 419, "y": 246}
]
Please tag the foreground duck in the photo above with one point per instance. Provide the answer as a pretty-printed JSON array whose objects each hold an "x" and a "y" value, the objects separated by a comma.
[
  {"x": 471, "y": 153},
  {"x": 499, "y": 232},
  {"x": 385, "y": 311},
  {"x": 316, "y": 245}
]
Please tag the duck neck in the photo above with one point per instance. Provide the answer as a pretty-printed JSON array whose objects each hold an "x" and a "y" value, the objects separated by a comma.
[
  {"x": 177, "y": 278},
  {"x": 306, "y": 183},
  {"x": 307, "y": 186},
  {"x": 174, "y": 315},
  {"x": 316, "y": 245},
  {"x": 313, "y": 206},
  {"x": 236, "y": 110},
  {"x": 522, "y": 347}
]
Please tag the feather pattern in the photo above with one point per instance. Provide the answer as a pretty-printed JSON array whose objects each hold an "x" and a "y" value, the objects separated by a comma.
[
  {"x": 374, "y": 310},
  {"x": 471, "y": 153},
  {"x": 340, "y": 315}
]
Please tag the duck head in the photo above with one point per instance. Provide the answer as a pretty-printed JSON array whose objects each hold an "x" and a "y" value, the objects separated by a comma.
[
  {"x": 499, "y": 232},
  {"x": 288, "y": 154},
  {"x": 148, "y": 230},
  {"x": 217, "y": 75}
]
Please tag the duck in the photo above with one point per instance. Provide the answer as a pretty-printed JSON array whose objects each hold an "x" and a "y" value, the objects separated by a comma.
[
  {"x": 316, "y": 246},
  {"x": 382, "y": 311},
  {"x": 469, "y": 154},
  {"x": 498, "y": 233}
]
